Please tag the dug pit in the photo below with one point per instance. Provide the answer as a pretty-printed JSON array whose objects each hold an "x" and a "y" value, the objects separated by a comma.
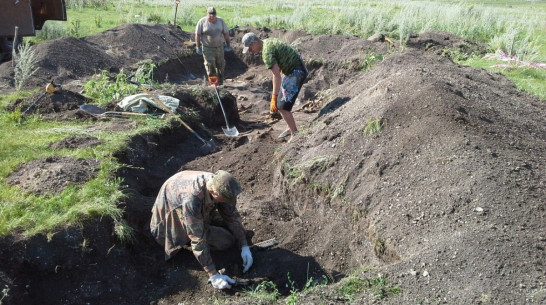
[{"x": 444, "y": 202}]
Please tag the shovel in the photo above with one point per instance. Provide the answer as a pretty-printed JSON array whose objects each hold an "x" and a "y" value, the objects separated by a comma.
[
  {"x": 95, "y": 110},
  {"x": 50, "y": 88},
  {"x": 175, "y": 10},
  {"x": 208, "y": 146},
  {"x": 228, "y": 131}
]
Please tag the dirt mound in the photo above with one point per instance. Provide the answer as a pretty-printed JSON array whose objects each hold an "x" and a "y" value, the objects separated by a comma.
[
  {"x": 76, "y": 142},
  {"x": 63, "y": 60},
  {"x": 425, "y": 201},
  {"x": 443, "y": 43},
  {"x": 59, "y": 105},
  {"x": 72, "y": 61},
  {"x": 52, "y": 174},
  {"x": 444, "y": 199},
  {"x": 145, "y": 42}
]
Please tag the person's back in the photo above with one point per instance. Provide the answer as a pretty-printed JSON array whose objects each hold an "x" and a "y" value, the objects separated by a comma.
[
  {"x": 277, "y": 52},
  {"x": 183, "y": 188},
  {"x": 183, "y": 214}
]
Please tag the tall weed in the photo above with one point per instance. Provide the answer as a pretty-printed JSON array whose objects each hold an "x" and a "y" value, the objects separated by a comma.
[
  {"x": 25, "y": 64},
  {"x": 516, "y": 42}
]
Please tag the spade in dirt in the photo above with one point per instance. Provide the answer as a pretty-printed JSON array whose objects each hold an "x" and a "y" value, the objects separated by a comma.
[
  {"x": 228, "y": 131},
  {"x": 49, "y": 89},
  {"x": 208, "y": 146},
  {"x": 96, "y": 111}
]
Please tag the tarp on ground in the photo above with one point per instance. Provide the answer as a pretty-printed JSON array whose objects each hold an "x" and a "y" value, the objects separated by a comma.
[{"x": 143, "y": 103}]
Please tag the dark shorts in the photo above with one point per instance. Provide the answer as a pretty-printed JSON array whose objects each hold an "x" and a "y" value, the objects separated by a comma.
[{"x": 290, "y": 88}]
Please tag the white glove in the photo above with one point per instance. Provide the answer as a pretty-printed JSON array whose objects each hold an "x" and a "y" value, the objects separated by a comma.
[
  {"x": 247, "y": 258},
  {"x": 199, "y": 51},
  {"x": 221, "y": 281},
  {"x": 227, "y": 49}
]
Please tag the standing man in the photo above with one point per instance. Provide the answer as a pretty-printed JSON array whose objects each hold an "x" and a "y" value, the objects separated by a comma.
[
  {"x": 199, "y": 208},
  {"x": 211, "y": 40},
  {"x": 289, "y": 73}
]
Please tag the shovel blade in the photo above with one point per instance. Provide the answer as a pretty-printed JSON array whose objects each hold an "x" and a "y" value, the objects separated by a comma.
[
  {"x": 230, "y": 132},
  {"x": 208, "y": 147},
  {"x": 92, "y": 109}
]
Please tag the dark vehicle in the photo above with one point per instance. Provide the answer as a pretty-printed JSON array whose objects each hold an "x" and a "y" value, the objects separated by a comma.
[{"x": 28, "y": 16}]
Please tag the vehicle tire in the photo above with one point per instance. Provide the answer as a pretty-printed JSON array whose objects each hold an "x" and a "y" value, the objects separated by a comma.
[{"x": 5, "y": 49}]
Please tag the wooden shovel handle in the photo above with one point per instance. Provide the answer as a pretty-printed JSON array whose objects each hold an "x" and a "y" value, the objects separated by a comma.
[{"x": 160, "y": 103}]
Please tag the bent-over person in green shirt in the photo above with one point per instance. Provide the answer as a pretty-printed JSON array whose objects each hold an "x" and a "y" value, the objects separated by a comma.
[{"x": 289, "y": 74}]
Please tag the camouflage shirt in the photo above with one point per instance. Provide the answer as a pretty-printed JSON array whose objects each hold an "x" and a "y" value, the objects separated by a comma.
[
  {"x": 182, "y": 213},
  {"x": 277, "y": 52}
]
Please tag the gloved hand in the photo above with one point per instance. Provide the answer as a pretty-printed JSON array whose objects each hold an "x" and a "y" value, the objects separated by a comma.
[
  {"x": 273, "y": 104},
  {"x": 227, "y": 49},
  {"x": 221, "y": 281},
  {"x": 247, "y": 258},
  {"x": 199, "y": 51}
]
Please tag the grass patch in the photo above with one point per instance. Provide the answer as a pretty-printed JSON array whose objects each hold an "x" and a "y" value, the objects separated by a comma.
[
  {"x": 516, "y": 28},
  {"x": 350, "y": 287},
  {"x": 297, "y": 172},
  {"x": 329, "y": 191},
  {"x": 25, "y": 65},
  {"x": 354, "y": 285},
  {"x": 24, "y": 141},
  {"x": 373, "y": 126},
  {"x": 266, "y": 290},
  {"x": 527, "y": 79}
]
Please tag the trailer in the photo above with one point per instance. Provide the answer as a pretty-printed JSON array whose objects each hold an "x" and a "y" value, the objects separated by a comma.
[{"x": 21, "y": 18}]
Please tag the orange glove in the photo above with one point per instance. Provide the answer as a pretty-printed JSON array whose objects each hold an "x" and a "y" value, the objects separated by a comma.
[{"x": 273, "y": 105}]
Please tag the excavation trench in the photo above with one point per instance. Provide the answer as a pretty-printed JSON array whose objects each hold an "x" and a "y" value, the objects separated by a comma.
[
  {"x": 444, "y": 200},
  {"x": 87, "y": 264},
  {"x": 151, "y": 159}
]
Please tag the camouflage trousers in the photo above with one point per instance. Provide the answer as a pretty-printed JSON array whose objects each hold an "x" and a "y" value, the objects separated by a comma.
[
  {"x": 218, "y": 238},
  {"x": 214, "y": 62}
]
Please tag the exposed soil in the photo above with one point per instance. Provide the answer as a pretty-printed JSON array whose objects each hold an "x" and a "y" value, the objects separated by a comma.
[
  {"x": 446, "y": 201},
  {"x": 52, "y": 174}
]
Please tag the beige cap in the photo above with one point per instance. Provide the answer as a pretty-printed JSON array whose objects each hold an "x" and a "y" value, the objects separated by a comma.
[
  {"x": 211, "y": 10},
  {"x": 226, "y": 185}
]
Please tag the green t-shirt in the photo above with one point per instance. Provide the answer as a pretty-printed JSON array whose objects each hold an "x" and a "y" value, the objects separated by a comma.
[{"x": 277, "y": 52}]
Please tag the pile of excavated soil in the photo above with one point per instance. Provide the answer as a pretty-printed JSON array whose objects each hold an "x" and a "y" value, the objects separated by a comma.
[
  {"x": 444, "y": 201},
  {"x": 59, "y": 105}
]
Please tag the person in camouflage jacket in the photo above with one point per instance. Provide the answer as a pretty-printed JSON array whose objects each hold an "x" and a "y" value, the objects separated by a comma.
[{"x": 199, "y": 208}]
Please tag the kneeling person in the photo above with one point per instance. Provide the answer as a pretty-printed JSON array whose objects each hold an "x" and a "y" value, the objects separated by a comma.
[{"x": 184, "y": 212}]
